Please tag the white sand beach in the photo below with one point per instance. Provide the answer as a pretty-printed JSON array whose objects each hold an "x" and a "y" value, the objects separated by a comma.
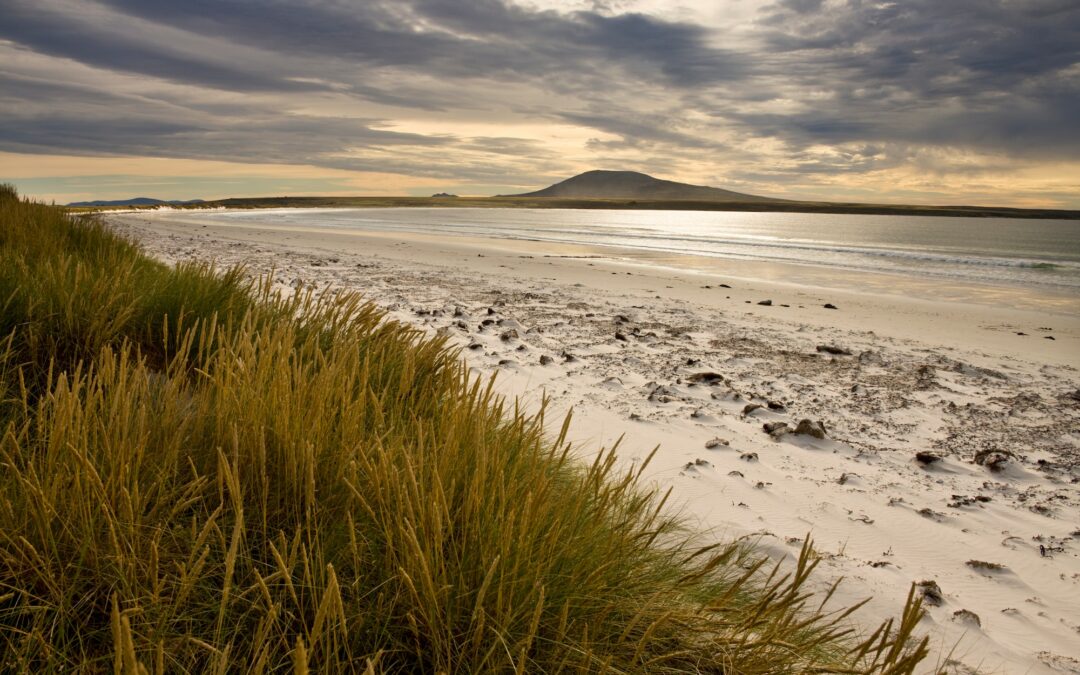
[{"x": 690, "y": 360}]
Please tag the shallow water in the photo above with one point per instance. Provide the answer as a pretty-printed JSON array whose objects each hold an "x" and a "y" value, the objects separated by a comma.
[{"x": 1033, "y": 253}]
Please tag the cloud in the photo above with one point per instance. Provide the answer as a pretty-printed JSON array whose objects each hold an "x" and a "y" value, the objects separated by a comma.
[{"x": 457, "y": 89}]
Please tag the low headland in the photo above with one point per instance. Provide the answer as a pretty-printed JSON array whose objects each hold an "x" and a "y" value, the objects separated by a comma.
[{"x": 609, "y": 190}]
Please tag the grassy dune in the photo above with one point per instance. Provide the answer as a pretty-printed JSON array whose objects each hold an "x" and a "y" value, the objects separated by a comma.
[{"x": 197, "y": 475}]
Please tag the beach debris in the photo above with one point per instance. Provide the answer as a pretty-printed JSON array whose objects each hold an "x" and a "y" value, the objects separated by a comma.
[
  {"x": 845, "y": 477},
  {"x": 707, "y": 377},
  {"x": 931, "y": 592},
  {"x": 832, "y": 349},
  {"x": 809, "y": 428},
  {"x": 931, "y": 514},
  {"x": 829, "y": 305},
  {"x": 776, "y": 429},
  {"x": 662, "y": 394},
  {"x": 870, "y": 357},
  {"x": 1049, "y": 337},
  {"x": 749, "y": 456},
  {"x": 984, "y": 566},
  {"x": 967, "y": 616},
  {"x": 925, "y": 376},
  {"x": 751, "y": 407},
  {"x": 766, "y": 303},
  {"x": 959, "y": 501},
  {"x": 926, "y": 458},
  {"x": 995, "y": 460},
  {"x": 714, "y": 443}
]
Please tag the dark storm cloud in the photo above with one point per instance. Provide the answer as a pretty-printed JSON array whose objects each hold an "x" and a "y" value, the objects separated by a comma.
[
  {"x": 1001, "y": 76},
  {"x": 483, "y": 38},
  {"x": 96, "y": 122}
]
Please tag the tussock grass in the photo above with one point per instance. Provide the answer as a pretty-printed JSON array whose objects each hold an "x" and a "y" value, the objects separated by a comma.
[{"x": 197, "y": 475}]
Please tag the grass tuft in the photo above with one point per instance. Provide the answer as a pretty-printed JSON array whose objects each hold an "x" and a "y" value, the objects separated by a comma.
[{"x": 198, "y": 475}]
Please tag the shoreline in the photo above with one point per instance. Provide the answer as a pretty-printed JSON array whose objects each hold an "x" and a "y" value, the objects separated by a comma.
[
  {"x": 946, "y": 377},
  {"x": 504, "y": 202}
]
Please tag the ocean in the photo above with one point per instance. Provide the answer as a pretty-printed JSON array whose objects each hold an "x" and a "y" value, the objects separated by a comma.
[{"x": 1022, "y": 252}]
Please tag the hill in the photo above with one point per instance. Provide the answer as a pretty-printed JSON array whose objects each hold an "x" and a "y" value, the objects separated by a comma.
[
  {"x": 137, "y": 201},
  {"x": 600, "y": 184}
]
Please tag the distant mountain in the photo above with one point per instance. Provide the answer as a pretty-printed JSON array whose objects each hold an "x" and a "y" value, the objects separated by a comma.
[
  {"x": 601, "y": 184},
  {"x": 137, "y": 201}
]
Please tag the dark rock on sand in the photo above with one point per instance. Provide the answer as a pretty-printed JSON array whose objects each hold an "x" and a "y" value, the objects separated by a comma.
[
  {"x": 766, "y": 303},
  {"x": 810, "y": 428},
  {"x": 509, "y": 335},
  {"x": 705, "y": 378},
  {"x": 776, "y": 429},
  {"x": 715, "y": 443},
  {"x": 829, "y": 305},
  {"x": 925, "y": 457},
  {"x": 832, "y": 349},
  {"x": 749, "y": 456},
  {"x": 546, "y": 360},
  {"x": 995, "y": 460},
  {"x": 751, "y": 407}
]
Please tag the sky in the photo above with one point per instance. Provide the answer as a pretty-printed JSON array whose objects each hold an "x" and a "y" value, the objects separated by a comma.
[{"x": 914, "y": 101}]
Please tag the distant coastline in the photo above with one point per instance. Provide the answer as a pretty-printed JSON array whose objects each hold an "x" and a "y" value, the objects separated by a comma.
[{"x": 640, "y": 204}]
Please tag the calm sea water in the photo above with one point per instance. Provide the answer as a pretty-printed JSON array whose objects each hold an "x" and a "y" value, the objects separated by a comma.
[{"x": 1032, "y": 253}]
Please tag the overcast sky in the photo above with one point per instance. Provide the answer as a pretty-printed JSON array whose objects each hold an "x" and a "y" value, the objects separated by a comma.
[{"x": 933, "y": 101}]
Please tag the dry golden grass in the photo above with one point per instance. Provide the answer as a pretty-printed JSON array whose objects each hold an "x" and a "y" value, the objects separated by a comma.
[{"x": 199, "y": 476}]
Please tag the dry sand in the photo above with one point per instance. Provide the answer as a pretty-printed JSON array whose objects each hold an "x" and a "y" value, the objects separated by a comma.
[{"x": 673, "y": 358}]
